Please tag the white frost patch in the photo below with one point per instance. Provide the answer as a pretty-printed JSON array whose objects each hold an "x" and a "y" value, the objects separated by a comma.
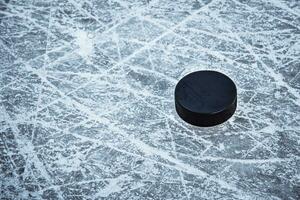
[
  {"x": 69, "y": 164},
  {"x": 221, "y": 146},
  {"x": 114, "y": 185},
  {"x": 85, "y": 43},
  {"x": 277, "y": 95}
]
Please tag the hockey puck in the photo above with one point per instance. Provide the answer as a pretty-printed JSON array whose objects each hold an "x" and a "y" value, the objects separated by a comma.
[{"x": 205, "y": 98}]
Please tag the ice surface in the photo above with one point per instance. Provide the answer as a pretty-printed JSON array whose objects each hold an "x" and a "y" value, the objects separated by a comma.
[{"x": 87, "y": 105}]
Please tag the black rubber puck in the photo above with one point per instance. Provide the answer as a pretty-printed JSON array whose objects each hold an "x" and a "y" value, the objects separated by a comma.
[{"x": 205, "y": 98}]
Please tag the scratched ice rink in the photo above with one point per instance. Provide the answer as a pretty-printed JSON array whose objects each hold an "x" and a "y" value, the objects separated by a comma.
[{"x": 87, "y": 99}]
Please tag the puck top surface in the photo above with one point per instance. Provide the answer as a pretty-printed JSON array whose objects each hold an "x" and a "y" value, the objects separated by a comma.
[{"x": 205, "y": 98}]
